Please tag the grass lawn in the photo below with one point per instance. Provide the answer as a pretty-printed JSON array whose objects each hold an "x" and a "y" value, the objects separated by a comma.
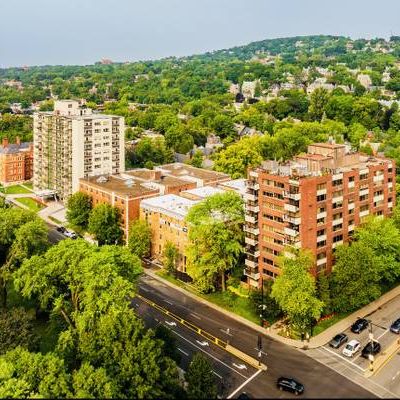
[
  {"x": 229, "y": 301},
  {"x": 327, "y": 323},
  {"x": 29, "y": 185},
  {"x": 16, "y": 189},
  {"x": 32, "y": 204}
]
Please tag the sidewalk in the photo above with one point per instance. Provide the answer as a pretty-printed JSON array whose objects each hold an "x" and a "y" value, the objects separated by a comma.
[{"x": 314, "y": 342}]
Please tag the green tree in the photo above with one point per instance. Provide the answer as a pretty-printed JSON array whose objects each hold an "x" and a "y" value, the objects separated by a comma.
[
  {"x": 200, "y": 379},
  {"x": 170, "y": 257},
  {"x": 355, "y": 279},
  {"x": 263, "y": 303},
  {"x": 323, "y": 292},
  {"x": 16, "y": 329},
  {"x": 105, "y": 224},
  {"x": 169, "y": 343},
  {"x": 79, "y": 206},
  {"x": 139, "y": 239},
  {"x": 216, "y": 239},
  {"x": 236, "y": 159},
  {"x": 295, "y": 290},
  {"x": 318, "y": 101},
  {"x": 178, "y": 139},
  {"x": 197, "y": 159}
]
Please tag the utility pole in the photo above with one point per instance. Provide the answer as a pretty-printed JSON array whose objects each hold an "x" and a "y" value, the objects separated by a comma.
[
  {"x": 262, "y": 302},
  {"x": 259, "y": 347},
  {"x": 371, "y": 337}
]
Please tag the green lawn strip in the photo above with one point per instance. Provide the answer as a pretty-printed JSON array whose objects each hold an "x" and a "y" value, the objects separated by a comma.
[
  {"x": 29, "y": 185},
  {"x": 32, "y": 204},
  {"x": 16, "y": 189},
  {"x": 229, "y": 301},
  {"x": 327, "y": 323}
]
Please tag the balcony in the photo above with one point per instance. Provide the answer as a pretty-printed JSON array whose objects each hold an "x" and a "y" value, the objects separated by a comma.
[
  {"x": 378, "y": 198},
  {"x": 253, "y": 208},
  {"x": 252, "y": 230},
  {"x": 363, "y": 192},
  {"x": 293, "y": 196},
  {"x": 253, "y": 185},
  {"x": 291, "y": 208},
  {"x": 250, "y": 241},
  {"x": 321, "y": 192},
  {"x": 351, "y": 206},
  {"x": 251, "y": 263},
  {"x": 337, "y": 176},
  {"x": 252, "y": 275},
  {"x": 334, "y": 245},
  {"x": 337, "y": 221},
  {"x": 322, "y": 214},
  {"x": 321, "y": 238},
  {"x": 293, "y": 182},
  {"x": 291, "y": 232},
  {"x": 378, "y": 178},
  {"x": 390, "y": 204},
  {"x": 337, "y": 199},
  {"x": 252, "y": 251},
  {"x": 390, "y": 185},
  {"x": 351, "y": 185},
  {"x": 253, "y": 174},
  {"x": 251, "y": 219},
  {"x": 321, "y": 261},
  {"x": 364, "y": 213},
  {"x": 351, "y": 227},
  {"x": 292, "y": 220},
  {"x": 250, "y": 197}
]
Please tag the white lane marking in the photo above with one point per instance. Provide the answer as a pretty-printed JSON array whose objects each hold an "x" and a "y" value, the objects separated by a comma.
[
  {"x": 203, "y": 343},
  {"x": 209, "y": 354},
  {"x": 244, "y": 383},
  {"x": 348, "y": 361},
  {"x": 364, "y": 385},
  {"x": 136, "y": 304},
  {"x": 170, "y": 323},
  {"x": 397, "y": 374},
  {"x": 195, "y": 316},
  {"x": 384, "y": 333},
  {"x": 167, "y": 301},
  {"x": 219, "y": 376},
  {"x": 183, "y": 352},
  {"x": 226, "y": 332},
  {"x": 262, "y": 352},
  {"x": 239, "y": 366},
  {"x": 144, "y": 289}
]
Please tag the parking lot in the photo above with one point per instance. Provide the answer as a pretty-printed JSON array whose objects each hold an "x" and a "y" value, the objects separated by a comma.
[{"x": 385, "y": 379}]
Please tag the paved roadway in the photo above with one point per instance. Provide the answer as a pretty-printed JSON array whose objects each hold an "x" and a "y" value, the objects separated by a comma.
[{"x": 319, "y": 380}]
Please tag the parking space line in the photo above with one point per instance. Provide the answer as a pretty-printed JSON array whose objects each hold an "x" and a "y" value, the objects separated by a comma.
[
  {"x": 384, "y": 333},
  {"x": 244, "y": 384},
  {"x": 344, "y": 359}
]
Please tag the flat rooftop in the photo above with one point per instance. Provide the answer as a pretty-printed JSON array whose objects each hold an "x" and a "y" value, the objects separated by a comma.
[
  {"x": 14, "y": 148},
  {"x": 203, "y": 192},
  {"x": 191, "y": 173},
  {"x": 238, "y": 185},
  {"x": 169, "y": 204}
]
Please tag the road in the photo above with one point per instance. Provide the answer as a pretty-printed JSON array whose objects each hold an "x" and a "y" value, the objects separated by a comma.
[{"x": 319, "y": 380}]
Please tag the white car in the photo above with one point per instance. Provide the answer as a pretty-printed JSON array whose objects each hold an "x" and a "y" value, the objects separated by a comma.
[
  {"x": 351, "y": 348},
  {"x": 70, "y": 234}
]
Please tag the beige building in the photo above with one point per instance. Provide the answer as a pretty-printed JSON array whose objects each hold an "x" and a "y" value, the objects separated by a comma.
[{"x": 72, "y": 143}]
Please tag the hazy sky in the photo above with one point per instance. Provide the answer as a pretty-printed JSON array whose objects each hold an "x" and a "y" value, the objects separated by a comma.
[{"x": 37, "y": 32}]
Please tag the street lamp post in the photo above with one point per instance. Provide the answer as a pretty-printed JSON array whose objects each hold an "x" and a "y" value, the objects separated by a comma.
[{"x": 371, "y": 338}]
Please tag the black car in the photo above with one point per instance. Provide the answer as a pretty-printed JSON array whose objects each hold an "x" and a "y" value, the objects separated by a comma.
[
  {"x": 395, "y": 327},
  {"x": 338, "y": 340},
  {"x": 371, "y": 348},
  {"x": 290, "y": 385},
  {"x": 60, "y": 229},
  {"x": 244, "y": 396},
  {"x": 359, "y": 325}
]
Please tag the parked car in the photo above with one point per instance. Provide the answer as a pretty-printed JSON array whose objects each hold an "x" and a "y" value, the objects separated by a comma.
[
  {"x": 70, "y": 234},
  {"x": 372, "y": 348},
  {"x": 351, "y": 348},
  {"x": 243, "y": 396},
  {"x": 290, "y": 385},
  {"x": 60, "y": 229},
  {"x": 395, "y": 327},
  {"x": 359, "y": 325},
  {"x": 338, "y": 340}
]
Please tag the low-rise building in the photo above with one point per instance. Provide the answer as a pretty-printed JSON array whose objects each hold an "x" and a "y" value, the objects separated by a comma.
[
  {"x": 315, "y": 202},
  {"x": 126, "y": 190},
  {"x": 16, "y": 161}
]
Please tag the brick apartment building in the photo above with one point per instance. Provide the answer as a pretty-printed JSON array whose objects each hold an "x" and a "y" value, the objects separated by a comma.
[
  {"x": 313, "y": 201},
  {"x": 126, "y": 190},
  {"x": 16, "y": 161}
]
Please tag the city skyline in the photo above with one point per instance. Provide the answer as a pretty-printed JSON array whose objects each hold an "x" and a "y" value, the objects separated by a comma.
[{"x": 160, "y": 29}]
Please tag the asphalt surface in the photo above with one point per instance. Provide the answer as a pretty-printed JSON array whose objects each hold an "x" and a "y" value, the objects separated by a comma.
[{"x": 319, "y": 380}]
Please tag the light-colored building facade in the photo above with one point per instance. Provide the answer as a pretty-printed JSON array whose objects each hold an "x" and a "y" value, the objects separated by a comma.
[
  {"x": 16, "y": 161},
  {"x": 72, "y": 143},
  {"x": 313, "y": 202}
]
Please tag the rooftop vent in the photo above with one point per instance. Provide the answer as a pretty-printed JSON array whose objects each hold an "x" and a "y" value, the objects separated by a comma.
[{"x": 102, "y": 179}]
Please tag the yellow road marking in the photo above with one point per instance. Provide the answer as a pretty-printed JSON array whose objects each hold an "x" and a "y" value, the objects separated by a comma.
[{"x": 220, "y": 343}]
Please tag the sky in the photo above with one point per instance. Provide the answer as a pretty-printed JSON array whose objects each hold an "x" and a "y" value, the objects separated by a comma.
[{"x": 54, "y": 32}]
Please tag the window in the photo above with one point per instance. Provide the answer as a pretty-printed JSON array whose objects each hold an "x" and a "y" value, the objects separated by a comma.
[
  {"x": 337, "y": 216},
  {"x": 338, "y": 182},
  {"x": 321, "y": 186},
  {"x": 321, "y": 232},
  {"x": 321, "y": 210},
  {"x": 351, "y": 179},
  {"x": 363, "y": 176},
  {"x": 268, "y": 261},
  {"x": 337, "y": 238},
  {"x": 320, "y": 221},
  {"x": 322, "y": 255},
  {"x": 321, "y": 244},
  {"x": 338, "y": 204},
  {"x": 337, "y": 227},
  {"x": 321, "y": 197}
]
